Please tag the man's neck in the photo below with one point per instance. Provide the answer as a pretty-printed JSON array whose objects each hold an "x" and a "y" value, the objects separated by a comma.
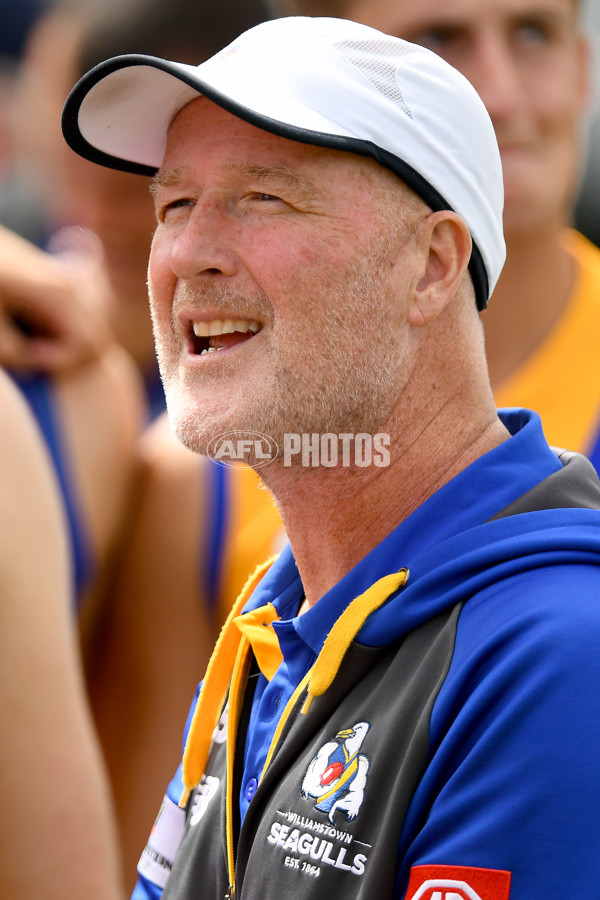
[
  {"x": 335, "y": 517},
  {"x": 532, "y": 293}
]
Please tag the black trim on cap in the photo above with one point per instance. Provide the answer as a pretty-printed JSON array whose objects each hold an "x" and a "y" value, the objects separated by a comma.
[
  {"x": 70, "y": 114},
  {"x": 414, "y": 179}
]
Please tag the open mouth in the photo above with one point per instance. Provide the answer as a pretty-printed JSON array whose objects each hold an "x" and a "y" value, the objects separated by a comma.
[{"x": 221, "y": 334}]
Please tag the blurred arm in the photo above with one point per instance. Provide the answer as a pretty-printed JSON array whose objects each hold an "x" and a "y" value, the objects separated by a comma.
[
  {"x": 52, "y": 308},
  {"x": 56, "y": 830}
]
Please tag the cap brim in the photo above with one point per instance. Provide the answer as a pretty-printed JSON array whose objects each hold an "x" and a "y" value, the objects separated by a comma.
[{"x": 119, "y": 114}]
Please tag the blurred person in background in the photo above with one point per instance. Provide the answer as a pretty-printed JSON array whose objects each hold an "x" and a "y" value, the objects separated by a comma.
[
  {"x": 196, "y": 529},
  {"x": 529, "y": 60},
  {"x": 57, "y": 836},
  {"x": 55, "y": 343},
  {"x": 587, "y": 219},
  {"x": 199, "y": 531},
  {"x": 17, "y": 21},
  {"x": 75, "y": 207},
  {"x": 69, "y": 38}
]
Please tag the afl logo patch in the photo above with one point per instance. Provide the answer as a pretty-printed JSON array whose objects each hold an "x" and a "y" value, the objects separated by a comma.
[{"x": 457, "y": 883}]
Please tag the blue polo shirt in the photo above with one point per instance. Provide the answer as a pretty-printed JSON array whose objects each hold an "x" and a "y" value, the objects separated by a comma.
[
  {"x": 472, "y": 497},
  {"x": 445, "y": 525}
]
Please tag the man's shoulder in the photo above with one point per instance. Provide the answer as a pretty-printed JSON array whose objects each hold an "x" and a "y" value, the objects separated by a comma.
[{"x": 557, "y": 604}]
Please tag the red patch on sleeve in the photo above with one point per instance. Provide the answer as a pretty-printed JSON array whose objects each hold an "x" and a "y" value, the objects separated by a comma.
[{"x": 457, "y": 883}]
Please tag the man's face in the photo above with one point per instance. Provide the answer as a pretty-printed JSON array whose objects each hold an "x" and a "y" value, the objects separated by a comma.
[
  {"x": 288, "y": 250},
  {"x": 529, "y": 65}
]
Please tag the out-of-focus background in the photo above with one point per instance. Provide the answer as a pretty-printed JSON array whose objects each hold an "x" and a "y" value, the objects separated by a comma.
[
  {"x": 587, "y": 211},
  {"x": 21, "y": 193}
]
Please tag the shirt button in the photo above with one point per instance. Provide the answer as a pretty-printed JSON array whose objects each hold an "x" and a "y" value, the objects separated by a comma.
[{"x": 250, "y": 788}]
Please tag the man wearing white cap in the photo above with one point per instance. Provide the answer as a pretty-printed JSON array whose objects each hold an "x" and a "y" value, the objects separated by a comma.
[{"x": 401, "y": 704}]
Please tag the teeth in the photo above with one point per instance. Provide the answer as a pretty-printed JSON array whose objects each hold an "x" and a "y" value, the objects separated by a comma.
[
  {"x": 226, "y": 326},
  {"x": 209, "y": 350}
]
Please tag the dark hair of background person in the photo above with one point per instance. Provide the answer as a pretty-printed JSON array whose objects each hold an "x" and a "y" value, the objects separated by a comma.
[
  {"x": 187, "y": 31},
  {"x": 17, "y": 19}
]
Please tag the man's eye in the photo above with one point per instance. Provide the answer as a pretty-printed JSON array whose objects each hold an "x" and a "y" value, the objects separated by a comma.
[
  {"x": 436, "y": 39},
  {"x": 166, "y": 208},
  {"x": 534, "y": 33},
  {"x": 266, "y": 198}
]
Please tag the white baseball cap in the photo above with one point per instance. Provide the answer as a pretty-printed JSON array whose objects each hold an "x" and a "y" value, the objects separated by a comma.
[{"x": 322, "y": 81}]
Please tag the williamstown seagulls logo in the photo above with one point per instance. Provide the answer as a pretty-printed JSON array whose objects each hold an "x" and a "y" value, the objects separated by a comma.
[{"x": 337, "y": 776}]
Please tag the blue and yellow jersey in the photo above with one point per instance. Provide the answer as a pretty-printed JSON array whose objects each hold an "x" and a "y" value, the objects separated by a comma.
[
  {"x": 40, "y": 392},
  {"x": 244, "y": 529},
  {"x": 561, "y": 379},
  {"x": 434, "y": 720}
]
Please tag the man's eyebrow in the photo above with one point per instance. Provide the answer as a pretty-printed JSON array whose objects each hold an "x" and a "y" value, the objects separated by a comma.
[
  {"x": 268, "y": 174},
  {"x": 277, "y": 173},
  {"x": 168, "y": 179}
]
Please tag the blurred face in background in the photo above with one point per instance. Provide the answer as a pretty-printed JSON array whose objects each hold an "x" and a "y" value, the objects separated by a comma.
[
  {"x": 529, "y": 63},
  {"x": 116, "y": 206}
]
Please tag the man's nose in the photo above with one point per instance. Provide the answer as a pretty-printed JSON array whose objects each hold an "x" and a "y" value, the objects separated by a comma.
[
  {"x": 495, "y": 74},
  {"x": 204, "y": 244}
]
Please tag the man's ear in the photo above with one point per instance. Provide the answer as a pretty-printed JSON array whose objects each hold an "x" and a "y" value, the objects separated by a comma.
[{"x": 445, "y": 244}]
